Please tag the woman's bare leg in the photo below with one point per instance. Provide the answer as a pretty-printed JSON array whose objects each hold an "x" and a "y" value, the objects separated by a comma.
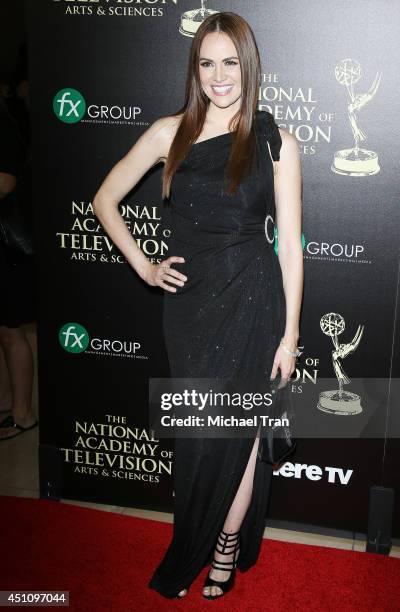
[
  {"x": 235, "y": 517},
  {"x": 19, "y": 358}
]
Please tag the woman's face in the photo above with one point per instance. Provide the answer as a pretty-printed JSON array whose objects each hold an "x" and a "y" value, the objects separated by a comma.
[{"x": 219, "y": 69}]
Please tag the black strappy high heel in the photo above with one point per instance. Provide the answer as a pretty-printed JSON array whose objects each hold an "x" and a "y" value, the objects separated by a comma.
[{"x": 227, "y": 544}]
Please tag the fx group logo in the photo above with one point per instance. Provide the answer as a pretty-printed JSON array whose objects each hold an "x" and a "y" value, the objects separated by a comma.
[
  {"x": 73, "y": 337},
  {"x": 69, "y": 105}
]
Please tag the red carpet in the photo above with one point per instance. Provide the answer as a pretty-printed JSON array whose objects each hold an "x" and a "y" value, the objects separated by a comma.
[{"x": 105, "y": 561}]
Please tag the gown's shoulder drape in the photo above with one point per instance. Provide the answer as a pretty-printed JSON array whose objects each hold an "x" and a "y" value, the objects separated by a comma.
[{"x": 271, "y": 132}]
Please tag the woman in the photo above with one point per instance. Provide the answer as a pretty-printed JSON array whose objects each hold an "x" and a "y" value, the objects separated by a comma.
[
  {"x": 17, "y": 304},
  {"x": 224, "y": 306}
]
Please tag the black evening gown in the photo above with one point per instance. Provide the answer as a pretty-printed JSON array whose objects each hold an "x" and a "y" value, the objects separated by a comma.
[{"x": 226, "y": 320}]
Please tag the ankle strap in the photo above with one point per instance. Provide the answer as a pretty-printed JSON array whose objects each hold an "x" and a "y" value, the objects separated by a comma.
[{"x": 236, "y": 533}]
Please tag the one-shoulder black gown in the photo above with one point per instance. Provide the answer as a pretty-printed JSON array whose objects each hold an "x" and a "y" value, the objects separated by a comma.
[{"x": 226, "y": 320}]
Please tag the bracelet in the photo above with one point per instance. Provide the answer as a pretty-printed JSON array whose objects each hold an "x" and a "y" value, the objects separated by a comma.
[{"x": 295, "y": 353}]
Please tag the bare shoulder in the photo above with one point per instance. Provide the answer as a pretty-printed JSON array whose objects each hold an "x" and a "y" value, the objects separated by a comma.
[
  {"x": 289, "y": 142},
  {"x": 289, "y": 165},
  {"x": 290, "y": 148},
  {"x": 161, "y": 133}
]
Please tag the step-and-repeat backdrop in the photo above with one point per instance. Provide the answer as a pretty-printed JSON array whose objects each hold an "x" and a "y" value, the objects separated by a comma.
[{"x": 101, "y": 71}]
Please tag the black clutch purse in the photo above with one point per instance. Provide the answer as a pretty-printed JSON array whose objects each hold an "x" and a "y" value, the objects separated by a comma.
[
  {"x": 16, "y": 232},
  {"x": 277, "y": 442}
]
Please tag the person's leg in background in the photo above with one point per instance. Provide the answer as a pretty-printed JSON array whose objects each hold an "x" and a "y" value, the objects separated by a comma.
[
  {"x": 5, "y": 387},
  {"x": 20, "y": 363}
]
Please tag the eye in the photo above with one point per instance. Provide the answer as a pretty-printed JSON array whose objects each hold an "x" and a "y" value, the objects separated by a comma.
[{"x": 205, "y": 64}]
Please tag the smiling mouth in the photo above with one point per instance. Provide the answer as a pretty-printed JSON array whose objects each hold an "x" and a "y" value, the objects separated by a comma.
[{"x": 221, "y": 90}]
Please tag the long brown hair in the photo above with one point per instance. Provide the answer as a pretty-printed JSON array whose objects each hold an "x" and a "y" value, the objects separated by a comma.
[{"x": 196, "y": 101}]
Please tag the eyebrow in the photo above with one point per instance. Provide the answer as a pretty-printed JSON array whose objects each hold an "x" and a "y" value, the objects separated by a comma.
[{"x": 224, "y": 60}]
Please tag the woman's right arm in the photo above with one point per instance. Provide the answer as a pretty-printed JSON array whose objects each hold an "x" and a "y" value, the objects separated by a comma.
[{"x": 149, "y": 149}]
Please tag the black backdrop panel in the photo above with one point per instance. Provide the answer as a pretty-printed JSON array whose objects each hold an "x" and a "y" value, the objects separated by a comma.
[{"x": 101, "y": 73}]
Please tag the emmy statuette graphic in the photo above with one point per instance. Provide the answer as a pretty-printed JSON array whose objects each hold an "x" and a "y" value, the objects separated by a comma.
[
  {"x": 191, "y": 20},
  {"x": 339, "y": 401},
  {"x": 356, "y": 161}
]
